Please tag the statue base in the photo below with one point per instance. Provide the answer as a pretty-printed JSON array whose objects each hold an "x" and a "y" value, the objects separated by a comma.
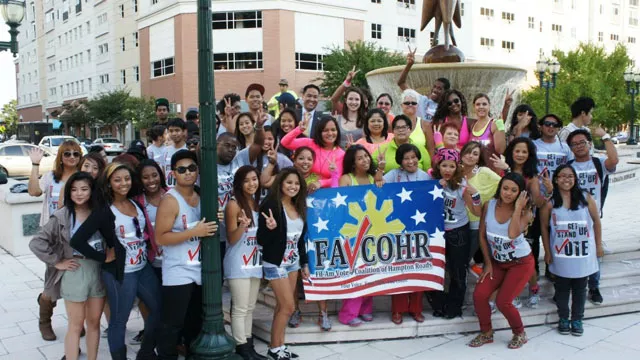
[{"x": 438, "y": 54}]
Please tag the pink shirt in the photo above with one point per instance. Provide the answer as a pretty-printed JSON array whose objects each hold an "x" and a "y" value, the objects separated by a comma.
[
  {"x": 371, "y": 148},
  {"x": 323, "y": 156}
]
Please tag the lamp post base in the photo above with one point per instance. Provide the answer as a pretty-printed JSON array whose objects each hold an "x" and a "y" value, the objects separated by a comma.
[
  {"x": 213, "y": 346},
  {"x": 632, "y": 142}
]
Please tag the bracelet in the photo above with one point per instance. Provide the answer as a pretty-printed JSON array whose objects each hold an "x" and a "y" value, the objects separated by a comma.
[
  {"x": 34, "y": 164},
  {"x": 346, "y": 83},
  {"x": 476, "y": 200},
  {"x": 606, "y": 137}
]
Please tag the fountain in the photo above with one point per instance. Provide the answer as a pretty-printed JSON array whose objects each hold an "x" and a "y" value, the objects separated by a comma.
[{"x": 448, "y": 61}]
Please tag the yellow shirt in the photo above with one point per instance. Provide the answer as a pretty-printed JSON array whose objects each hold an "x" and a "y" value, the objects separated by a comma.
[{"x": 486, "y": 182}]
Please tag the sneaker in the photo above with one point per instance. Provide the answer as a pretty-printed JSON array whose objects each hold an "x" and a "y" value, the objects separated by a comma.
[
  {"x": 476, "y": 270},
  {"x": 517, "y": 302},
  {"x": 289, "y": 353},
  {"x": 324, "y": 322},
  {"x": 105, "y": 333},
  {"x": 279, "y": 354},
  {"x": 295, "y": 319},
  {"x": 137, "y": 340},
  {"x": 533, "y": 301},
  {"x": 576, "y": 328},
  {"x": 595, "y": 297},
  {"x": 355, "y": 322},
  {"x": 564, "y": 326},
  {"x": 366, "y": 317},
  {"x": 606, "y": 249},
  {"x": 494, "y": 308}
]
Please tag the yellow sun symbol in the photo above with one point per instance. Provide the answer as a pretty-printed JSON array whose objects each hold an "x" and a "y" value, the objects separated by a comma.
[{"x": 378, "y": 219}]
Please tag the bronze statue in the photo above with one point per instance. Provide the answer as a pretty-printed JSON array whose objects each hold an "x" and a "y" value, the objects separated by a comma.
[{"x": 445, "y": 12}]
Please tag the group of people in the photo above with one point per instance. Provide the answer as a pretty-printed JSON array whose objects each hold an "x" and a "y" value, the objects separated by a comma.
[{"x": 132, "y": 229}]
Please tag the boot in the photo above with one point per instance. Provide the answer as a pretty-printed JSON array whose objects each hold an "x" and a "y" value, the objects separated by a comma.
[
  {"x": 253, "y": 350},
  {"x": 120, "y": 354},
  {"x": 46, "y": 312},
  {"x": 244, "y": 351}
]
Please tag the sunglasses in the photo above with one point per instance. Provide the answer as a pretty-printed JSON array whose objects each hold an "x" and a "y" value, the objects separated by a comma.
[
  {"x": 454, "y": 101},
  {"x": 410, "y": 103},
  {"x": 136, "y": 223},
  {"x": 183, "y": 169},
  {"x": 69, "y": 154},
  {"x": 551, "y": 124}
]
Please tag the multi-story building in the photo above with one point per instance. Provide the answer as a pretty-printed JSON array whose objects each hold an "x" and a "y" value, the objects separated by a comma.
[{"x": 150, "y": 46}]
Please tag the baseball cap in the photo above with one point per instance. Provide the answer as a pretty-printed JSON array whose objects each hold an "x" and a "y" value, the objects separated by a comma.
[
  {"x": 286, "y": 99},
  {"x": 162, "y": 102},
  {"x": 283, "y": 82},
  {"x": 252, "y": 87}
]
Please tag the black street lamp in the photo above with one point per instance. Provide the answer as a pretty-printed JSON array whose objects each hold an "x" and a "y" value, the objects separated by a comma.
[
  {"x": 633, "y": 88},
  {"x": 542, "y": 65},
  {"x": 12, "y": 13}
]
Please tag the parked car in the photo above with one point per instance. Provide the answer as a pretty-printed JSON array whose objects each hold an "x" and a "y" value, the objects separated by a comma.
[
  {"x": 52, "y": 143},
  {"x": 84, "y": 141},
  {"x": 15, "y": 161},
  {"x": 620, "y": 137},
  {"x": 110, "y": 145}
]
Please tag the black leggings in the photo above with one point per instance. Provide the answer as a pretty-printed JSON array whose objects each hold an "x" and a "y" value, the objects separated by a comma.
[{"x": 181, "y": 315}]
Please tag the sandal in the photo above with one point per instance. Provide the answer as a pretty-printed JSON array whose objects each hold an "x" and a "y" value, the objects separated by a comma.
[
  {"x": 481, "y": 339},
  {"x": 355, "y": 322},
  {"x": 418, "y": 317},
  {"x": 518, "y": 340},
  {"x": 396, "y": 318}
]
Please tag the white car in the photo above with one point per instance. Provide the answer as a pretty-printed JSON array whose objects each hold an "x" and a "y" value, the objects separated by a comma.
[
  {"x": 110, "y": 145},
  {"x": 15, "y": 161},
  {"x": 53, "y": 142}
]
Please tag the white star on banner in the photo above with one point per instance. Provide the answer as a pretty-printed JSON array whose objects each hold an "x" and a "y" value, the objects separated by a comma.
[
  {"x": 437, "y": 235},
  {"x": 436, "y": 192},
  {"x": 321, "y": 224},
  {"x": 404, "y": 195},
  {"x": 310, "y": 202},
  {"x": 419, "y": 217},
  {"x": 339, "y": 200}
]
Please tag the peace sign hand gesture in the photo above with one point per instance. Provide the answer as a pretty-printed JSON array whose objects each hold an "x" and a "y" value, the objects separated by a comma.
[
  {"x": 261, "y": 118},
  {"x": 350, "y": 141},
  {"x": 270, "y": 220},
  {"x": 498, "y": 163},
  {"x": 508, "y": 100},
  {"x": 228, "y": 109},
  {"x": 272, "y": 154},
  {"x": 304, "y": 124},
  {"x": 332, "y": 163},
  {"x": 381, "y": 158},
  {"x": 546, "y": 180},
  {"x": 411, "y": 56},
  {"x": 243, "y": 220},
  {"x": 351, "y": 74}
]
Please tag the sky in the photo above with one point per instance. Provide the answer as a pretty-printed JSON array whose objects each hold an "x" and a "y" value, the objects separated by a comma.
[{"x": 7, "y": 70}]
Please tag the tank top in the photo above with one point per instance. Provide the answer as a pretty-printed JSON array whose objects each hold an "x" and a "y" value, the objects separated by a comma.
[
  {"x": 181, "y": 262},
  {"x": 355, "y": 133},
  {"x": 291, "y": 254},
  {"x": 244, "y": 258},
  {"x": 464, "y": 132},
  {"x": 131, "y": 236},
  {"x": 503, "y": 248},
  {"x": 53, "y": 194},
  {"x": 572, "y": 243},
  {"x": 95, "y": 241},
  {"x": 455, "y": 210},
  {"x": 485, "y": 137},
  {"x": 354, "y": 181},
  {"x": 171, "y": 180},
  {"x": 152, "y": 211}
]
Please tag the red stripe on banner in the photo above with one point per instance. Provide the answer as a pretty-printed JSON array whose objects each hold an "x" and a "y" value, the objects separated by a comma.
[
  {"x": 437, "y": 249},
  {"x": 426, "y": 277},
  {"x": 437, "y": 263}
]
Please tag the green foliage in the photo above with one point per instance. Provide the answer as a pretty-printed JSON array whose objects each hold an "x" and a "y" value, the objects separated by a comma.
[
  {"x": 9, "y": 118},
  {"x": 141, "y": 111},
  {"x": 75, "y": 113},
  {"x": 110, "y": 108},
  {"x": 365, "y": 56},
  {"x": 587, "y": 71}
]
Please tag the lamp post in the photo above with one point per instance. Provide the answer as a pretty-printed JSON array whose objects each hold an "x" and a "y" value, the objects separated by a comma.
[
  {"x": 553, "y": 66},
  {"x": 633, "y": 88},
  {"x": 12, "y": 13},
  {"x": 213, "y": 341}
]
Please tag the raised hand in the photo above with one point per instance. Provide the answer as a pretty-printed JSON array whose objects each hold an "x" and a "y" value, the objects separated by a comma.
[
  {"x": 381, "y": 158},
  {"x": 524, "y": 120},
  {"x": 351, "y": 74},
  {"x": 272, "y": 155},
  {"x": 36, "y": 154},
  {"x": 270, "y": 220},
  {"x": 304, "y": 124},
  {"x": 332, "y": 163},
  {"x": 498, "y": 163},
  {"x": 599, "y": 131},
  {"x": 67, "y": 265},
  {"x": 508, "y": 100},
  {"x": 350, "y": 141},
  {"x": 228, "y": 109},
  {"x": 546, "y": 180},
  {"x": 204, "y": 228},
  {"x": 243, "y": 220},
  {"x": 411, "y": 56},
  {"x": 522, "y": 200},
  {"x": 261, "y": 118}
]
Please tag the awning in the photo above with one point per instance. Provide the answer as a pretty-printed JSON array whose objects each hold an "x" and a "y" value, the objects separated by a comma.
[{"x": 57, "y": 124}]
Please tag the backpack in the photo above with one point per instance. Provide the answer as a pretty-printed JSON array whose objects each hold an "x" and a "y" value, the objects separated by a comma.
[{"x": 604, "y": 181}]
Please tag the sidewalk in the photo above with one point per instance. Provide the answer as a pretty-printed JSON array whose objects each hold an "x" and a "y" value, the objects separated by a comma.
[{"x": 614, "y": 337}]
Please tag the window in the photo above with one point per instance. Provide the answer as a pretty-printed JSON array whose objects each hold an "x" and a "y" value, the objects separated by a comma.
[
  {"x": 376, "y": 1},
  {"x": 136, "y": 73},
  {"x": 123, "y": 77},
  {"x": 123, "y": 44},
  {"x": 432, "y": 38},
  {"x": 633, "y": 18},
  {"x": 633, "y": 2},
  {"x": 631, "y": 40},
  {"x": 88, "y": 27},
  {"x": 237, "y": 61},
  {"x": 407, "y": 4},
  {"x": 103, "y": 49},
  {"x": 461, "y": 9},
  {"x": 532, "y": 22},
  {"x": 486, "y": 12},
  {"x": 508, "y": 45},
  {"x": 614, "y": 37},
  {"x": 102, "y": 19},
  {"x": 90, "y": 84},
  {"x": 82, "y": 86},
  {"x": 508, "y": 16},
  {"x": 104, "y": 79},
  {"x": 153, "y": 2},
  {"x": 236, "y": 20},
  {"x": 135, "y": 5},
  {"x": 309, "y": 62},
  {"x": 406, "y": 34},
  {"x": 135, "y": 38},
  {"x": 486, "y": 42},
  {"x": 78, "y": 6},
  {"x": 600, "y": 36},
  {"x": 88, "y": 55},
  {"x": 162, "y": 67},
  {"x": 121, "y": 10},
  {"x": 556, "y": 28},
  {"x": 376, "y": 31}
]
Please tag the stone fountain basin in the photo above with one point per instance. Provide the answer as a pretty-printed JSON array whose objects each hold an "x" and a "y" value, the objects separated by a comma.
[{"x": 468, "y": 78}]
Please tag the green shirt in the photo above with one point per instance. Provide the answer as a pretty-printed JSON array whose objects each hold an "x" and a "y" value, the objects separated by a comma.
[
  {"x": 390, "y": 156},
  {"x": 273, "y": 102}
]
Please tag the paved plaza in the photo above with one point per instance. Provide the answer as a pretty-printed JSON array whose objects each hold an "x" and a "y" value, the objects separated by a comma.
[{"x": 613, "y": 337}]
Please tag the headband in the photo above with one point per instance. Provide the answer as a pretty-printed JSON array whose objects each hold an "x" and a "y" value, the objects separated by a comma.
[{"x": 447, "y": 154}]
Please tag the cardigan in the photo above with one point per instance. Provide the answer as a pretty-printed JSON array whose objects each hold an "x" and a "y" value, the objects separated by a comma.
[{"x": 274, "y": 242}]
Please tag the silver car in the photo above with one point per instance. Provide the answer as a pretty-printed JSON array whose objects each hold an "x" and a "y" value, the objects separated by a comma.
[
  {"x": 110, "y": 145},
  {"x": 15, "y": 161}
]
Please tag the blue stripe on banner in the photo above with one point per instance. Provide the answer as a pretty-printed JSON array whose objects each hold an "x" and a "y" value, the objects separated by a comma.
[{"x": 365, "y": 240}]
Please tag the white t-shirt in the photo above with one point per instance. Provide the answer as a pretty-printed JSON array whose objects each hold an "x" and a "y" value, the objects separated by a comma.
[
  {"x": 166, "y": 164},
  {"x": 156, "y": 153},
  {"x": 588, "y": 178}
]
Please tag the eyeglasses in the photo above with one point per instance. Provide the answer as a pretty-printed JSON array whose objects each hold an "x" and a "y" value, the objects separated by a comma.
[
  {"x": 382, "y": 103},
  {"x": 578, "y": 144},
  {"x": 409, "y": 103},
  {"x": 401, "y": 128},
  {"x": 183, "y": 169},
  {"x": 69, "y": 154},
  {"x": 551, "y": 124},
  {"x": 136, "y": 223},
  {"x": 568, "y": 177},
  {"x": 454, "y": 101}
]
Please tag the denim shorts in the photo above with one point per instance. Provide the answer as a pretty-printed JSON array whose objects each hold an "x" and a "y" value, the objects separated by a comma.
[{"x": 272, "y": 272}]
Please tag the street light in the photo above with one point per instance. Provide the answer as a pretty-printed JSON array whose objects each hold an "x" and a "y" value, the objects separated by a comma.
[
  {"x": 12, "y": 13},
  {"x": 633, "y": 88},
  {"x": 542, "y": 66}
]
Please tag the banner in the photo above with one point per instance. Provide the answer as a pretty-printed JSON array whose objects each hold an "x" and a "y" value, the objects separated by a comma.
[{"x": 367, "y": 241}]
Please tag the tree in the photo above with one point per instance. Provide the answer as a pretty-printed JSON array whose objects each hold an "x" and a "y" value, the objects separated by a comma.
[
  {"x": 141, "y": 111},
  {"x": 9, "y": 118},
  {"x": 365, "y": 56},
  {"x": 75, "y": 113},
  {"x": 110, "y": 109},
  {"x": 587, "y": 71}
]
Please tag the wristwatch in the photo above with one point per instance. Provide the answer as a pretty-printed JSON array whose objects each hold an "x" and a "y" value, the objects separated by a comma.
[{"x": 606, "y": 137}]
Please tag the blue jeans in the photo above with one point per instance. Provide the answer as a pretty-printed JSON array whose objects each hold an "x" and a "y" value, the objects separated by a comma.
[
  {"x": 145, "y": 285},
  {"x": 594, "y": 279}
]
